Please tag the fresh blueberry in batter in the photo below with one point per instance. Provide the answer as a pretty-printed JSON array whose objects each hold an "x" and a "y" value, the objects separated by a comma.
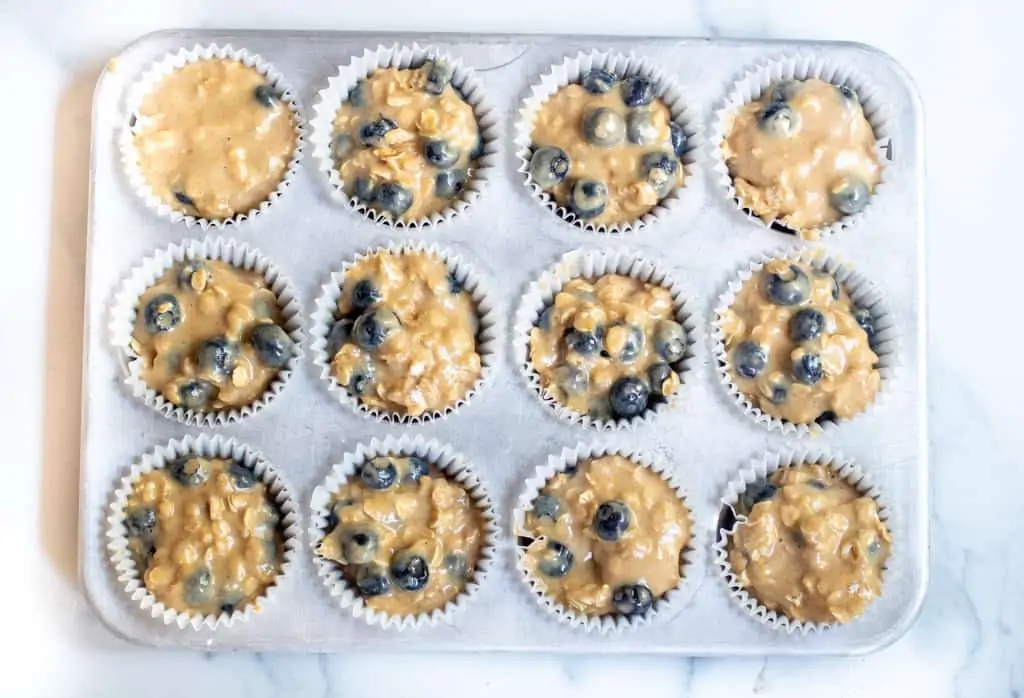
[
  {"x": 790, "y": 287},
  {"x": 597, "y": 81},
  {"x": 661, "y": 171},
  {"x": 162, "y": 313},
  {"x": 378, "y": 473},
  {"x": 418, "y": 468},
  {"x": 583, "y": 343},
  {"x": 572, "y": 380},
  {"x": 549, "y": 166},
  {"x": 449, "y": 183},
  {"x": 374, "y": 326},
  {"x": 779, "y": 391},
  {"x": 604, "y": 128},
  {"x": 866, "y": 321},
  {"x": 670, "y": 340},
  {"x": 189, "y": 472},
  {"x": 678, "y": 138},
  {"x": 199, "y": 587},
  {"x": 628, "y": 397},
  {"x": 266, "y": 95},
  {"x": 365, "y": 294},
  {"x": 546, "y": 506},
  {"x": 372, "y": 132},
  {"x": 640, "y": 127},
  {"x": 849, "y": 195},
  {"x": 631, "y": 348},
  {"x": 779, "y": 120},
  {"x": 749, "y": 359},
  {"x": 364, "y": 189},
  {"x": 784, "y": 91},
  {"x": 611, "y": 520},
  {"x": 632, "y": 599},
  {"x": 440, "y": 153},
  {"x": 140, "y": 521},
  {"x": 637, "y": 91},
  {"x": 371, "y": 580},
  {"x": 847, "y": 93},
  {"x": 196, "y": 394},
  {"x": 588, "y": 198},
  {"x": 410, "y": 571},
  {"x": 555, "y": 561},
  {"x": 217, "y": 356},
  {"x": 358, "y": 544},
  {"x": 394, "y": 198},
  {"x": 657, "y": 374},
  {"x": 272, "y": 344},
  {"x": 807, "y": 369},
  {"x": 242, "y": 476},
  {"x": 806, "y": 324},
  {"x": 361, "y": 381},
  {"x": 184, "y": 199},
  {"x": 339, "y": 334},
  {"x": 357, "y": 95},
  {"x": 439, "y": 76}
]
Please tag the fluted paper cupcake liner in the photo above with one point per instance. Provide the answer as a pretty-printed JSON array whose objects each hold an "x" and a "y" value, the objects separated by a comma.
[
  {"x": 864, "y": 294},
  {"x": 488, "y": 332},
  {"x": 464, "y": 80},
  {"x": 665, "y": 89},
  {"x": 753, "y": 84},
  {"x": 151, "y": 80},
  {"x": 146, "y": 274},
  {"x": 691, "y": 564},
  {"x": 758, "y": 469},
  {"x": 592, "y": 264},
  {"x": 458, "y": 470},
  {"x": 204, "y": 446}
]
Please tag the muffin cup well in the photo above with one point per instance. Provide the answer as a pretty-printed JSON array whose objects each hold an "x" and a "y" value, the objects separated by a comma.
[
  {"x": 691, "y": 564},
  {"x": 665, "y": 89},
  {"x": 488, "y": 334},
  {"x": 591, "y": 264},
  {"x": 862, "y": 292},
  {"x": 456, "y": 468},
  {"x": 152, "y": 78},
  {"x": 753, "y": 84},
  {"x": 125, "y": 308},
  {"x": 207, "y": 447},
  {"x": 758, "y": 469},
  {"x": 464, "y": 80}
]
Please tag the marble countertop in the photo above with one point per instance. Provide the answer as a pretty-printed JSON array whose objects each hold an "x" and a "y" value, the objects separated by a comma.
[{"x": 969, "y": 640}]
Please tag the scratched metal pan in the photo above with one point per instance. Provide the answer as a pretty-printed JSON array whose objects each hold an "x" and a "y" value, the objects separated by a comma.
[{"x": 506, "y": 431}]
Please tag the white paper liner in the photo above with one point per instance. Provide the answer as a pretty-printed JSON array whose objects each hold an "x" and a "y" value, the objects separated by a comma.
[
  {"x": 665, "y": 89},
  {"x": 488, "y": 335},
  {"x": 752, "y": 85},
  {"x": 691, "y": 566},
  {"x": 149, "y": 271},
  {"x": 591, "y": 264},
  {"x": 758, "y": 469},
  {"x": 151, "y": 79},
  {"x": 207, "y": 447},
  {"x": 863, "y": 294},
  {"x": 464, "y": 80},
  {"x": 455, "y": 466}
]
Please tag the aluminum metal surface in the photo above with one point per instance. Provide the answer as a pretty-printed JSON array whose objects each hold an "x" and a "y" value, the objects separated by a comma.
[{"x": 506, "y": 431}]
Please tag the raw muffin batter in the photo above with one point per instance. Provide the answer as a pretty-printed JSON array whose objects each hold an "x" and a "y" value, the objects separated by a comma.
[
  {"x": 609, "y": 347},
  {"x": 608, "y": 537},
  {"x": 812, "y": 547},
  {"x": 204, "y": 535},
  {"x": 214, "y": 139},
  {"x": 408, "y": 539},
  {"x": 803, "y": 154},
  {"x": 405, "y": 340},
  {"x": 798, "y": 348},
  {"x": 405, "y": 141},
  {"x": 210, "y": 336},
  {"x": 606, "y": 149}
]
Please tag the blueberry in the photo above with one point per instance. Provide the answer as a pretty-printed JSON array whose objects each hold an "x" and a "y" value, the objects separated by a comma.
[
  {"x": 456, "y": 566},
  {"x": 628, "y": 397},
  {"x": 874, "y": 549},
  {"x": 546, "y": 506},
  {"x": 631, "y": 346},
  {"x": 544, "y": 321},
  {"x": 604, "y": 128},
  {"x": 549, "y": 166},
  {"x": 588, "y": 198},
  {"x": 866, "y": 321},
  {"x": 806, "y": 325},
  {"x": 242, "y": 476},
  {"x": 847, "y": 93},
  {"x": 394, "y": 198},
  {"x": 779, "y": 391},
  {"x": 670, "y": 340},
  {"x": 661, "y": 171},
  {"x": 449, "y": 183},
  {"x": 217, "y": 356},
  {"x": 339, "y": 335},
  {"x": 361, "y": 381},
  {"x": 140, "y": 521},
  {"x": 583, "y": 343},
  {"x": 374, "y": 326},
  {"x": 784, "y": 91},
  {"x": 821, "y": 273},
  {"x": 640, "y": 127},
  {"x": 199, "y": 587},
  {"x": 597, "y": 81},
  {"x": 418, "y": 468},
  {"x": 439, "y": 76},
  {"x": 637, "y": 91},
  {"x": 365, "y": 294},
  {"x": 196, "y": 394},
  {"x": 440, "y": 153},
  {"x": 849, "y": 195},
  {"x": 358, "y": 545},
  {"x": 184, "y": 199},
  {"x": 632, "y": 599},
  {"x": 410, "y": 571},
  {"x": 371, "y": 580},
  {"x": 378, "y": 473},
  {"x": 357, "y": 95},
  {"x": 190, "y": 472},
  {"x": 779, "y": 120},
  {"x": 572, "y": 380},
  {"x": 194, "y": 276},
  {"x": 454, "y": 285},
  {"x": 749, "y": 359},
  {"x": 611, "y": 520},
  {"x": 341, "y": 146},
  {"x": 162, "y": 313},
  {"x": 657, "y": 374},
  {"x": 373, "y": 132},
  {"x": 807, "y": 369},
  {"x": 788, "y": 287},
  {"x": 364, "y": 189},
  {"x": 272, "y": 344},
  {"x": 679, "y": 139},
  {"x": 266, "y": 95},
  {"x": 555, "y": 560},
  {"x": 755, "y": 493},
  {"x": 334, "y": 514}
]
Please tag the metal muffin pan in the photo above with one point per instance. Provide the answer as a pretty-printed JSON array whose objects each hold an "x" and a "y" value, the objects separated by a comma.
[{"x": 505, "y": 431}]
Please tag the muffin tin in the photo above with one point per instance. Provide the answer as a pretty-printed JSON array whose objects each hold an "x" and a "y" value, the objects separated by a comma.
[{"x": 505, "y": 432}]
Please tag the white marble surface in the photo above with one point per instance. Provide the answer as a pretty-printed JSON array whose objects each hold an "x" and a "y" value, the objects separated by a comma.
[{"x": 969, "y": 641}]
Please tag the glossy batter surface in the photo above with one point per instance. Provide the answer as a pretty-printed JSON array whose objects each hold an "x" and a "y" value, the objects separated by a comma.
[
  {"x": 803, "y": 154},
  {"x": 596, "y": 334},
  {"x": 801, "y": 361},
  {"x": 813, "y": 548},
  {"x": 204, "y": 534},
  {"x": 408, "y": 539},
  {"x": 606, "y": 558},
  {"x": 198, "y": 332},
  {"x": 405, "y": 340},
  {"x": 214, "y": 139},
  {"x": 407, "y": 128}
]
